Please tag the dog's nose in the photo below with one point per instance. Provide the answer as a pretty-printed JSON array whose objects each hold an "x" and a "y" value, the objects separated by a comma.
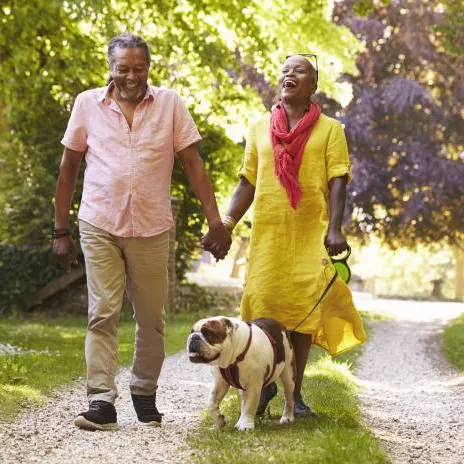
[
  {"x": 194, "y": 343},
  {"x": 195, "y": 337}
]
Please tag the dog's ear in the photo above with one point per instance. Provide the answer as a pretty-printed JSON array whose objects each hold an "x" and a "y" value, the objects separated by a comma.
[
  {"x": 227, "y": 323},
  {"x": 214, "y": 331}
]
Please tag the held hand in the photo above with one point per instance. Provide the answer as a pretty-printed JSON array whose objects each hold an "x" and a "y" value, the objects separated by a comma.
[
  {"x": 217, "y": 241},
  {"x": 65, "y": 252},
  {"x": 335, "y": 242}
]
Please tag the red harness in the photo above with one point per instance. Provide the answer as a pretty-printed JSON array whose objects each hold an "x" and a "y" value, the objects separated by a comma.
[{"x": 231, "y": 373}]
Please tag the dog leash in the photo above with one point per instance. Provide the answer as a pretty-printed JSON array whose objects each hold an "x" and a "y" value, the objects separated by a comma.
[{"x": 327, "y": 288}]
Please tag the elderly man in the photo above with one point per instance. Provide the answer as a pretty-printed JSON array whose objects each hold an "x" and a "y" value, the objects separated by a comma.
[{"x": 128, "y": 132}]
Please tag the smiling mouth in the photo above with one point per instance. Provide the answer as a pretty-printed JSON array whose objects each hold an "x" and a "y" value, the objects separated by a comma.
[{"x": 289, "y": 84}]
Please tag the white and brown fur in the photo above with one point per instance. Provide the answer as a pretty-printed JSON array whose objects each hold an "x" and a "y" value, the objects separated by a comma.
[{"x": 219, "y": 340}]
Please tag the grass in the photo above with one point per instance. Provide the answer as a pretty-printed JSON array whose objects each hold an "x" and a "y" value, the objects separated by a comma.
[
  {"x": 336, "y": 436},
  {"x": 453, "y": 342},
  {"x": 54, "y": 355}
]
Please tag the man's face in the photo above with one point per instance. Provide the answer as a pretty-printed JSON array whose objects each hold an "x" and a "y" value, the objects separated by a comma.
[
  {"x": 297, "y": 78},
  {"x": 129, "y": 68}
]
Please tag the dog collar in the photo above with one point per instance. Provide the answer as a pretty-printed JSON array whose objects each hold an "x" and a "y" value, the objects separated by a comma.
[{"x": 231, "y": 374}]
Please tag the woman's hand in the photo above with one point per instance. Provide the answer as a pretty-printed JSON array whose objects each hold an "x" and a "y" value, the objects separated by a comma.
[{"x": 335, "y": 242}]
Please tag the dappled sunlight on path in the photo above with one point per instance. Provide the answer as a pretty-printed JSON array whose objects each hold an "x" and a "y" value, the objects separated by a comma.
[
  {"x": 47, "y": 434},
  {"x": 412, "y": 399},
  {"x": 409, "y": 310}
]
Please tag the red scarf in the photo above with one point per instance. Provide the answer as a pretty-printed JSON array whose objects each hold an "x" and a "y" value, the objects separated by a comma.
[{"x": 289, "y": 147}]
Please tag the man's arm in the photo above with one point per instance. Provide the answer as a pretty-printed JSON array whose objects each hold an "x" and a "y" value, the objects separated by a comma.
[
  {"x": 335, "y": 240},
  {"x": 219, "y": 240},
  {"x": 64, "y": 248}
]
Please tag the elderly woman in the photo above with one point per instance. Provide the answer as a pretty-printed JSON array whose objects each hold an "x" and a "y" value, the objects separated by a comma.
[{"x": 295, "y": 169}]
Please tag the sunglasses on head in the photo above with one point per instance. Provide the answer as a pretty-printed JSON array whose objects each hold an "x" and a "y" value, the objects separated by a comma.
[{"x": 306, "y": 55}]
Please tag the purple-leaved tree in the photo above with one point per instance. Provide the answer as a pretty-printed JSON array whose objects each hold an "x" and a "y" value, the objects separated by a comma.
[{"x": 404, "y": 124}]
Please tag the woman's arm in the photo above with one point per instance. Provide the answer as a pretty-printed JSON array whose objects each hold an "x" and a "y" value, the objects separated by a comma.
[
  {"x": 335, "y": 240},
  {"x": 242, "y": 199}
]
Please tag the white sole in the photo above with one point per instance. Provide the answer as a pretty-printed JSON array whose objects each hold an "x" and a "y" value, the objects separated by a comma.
[
  {"x": 149, "y": 424},
  {"x": 83, "y": 423}
]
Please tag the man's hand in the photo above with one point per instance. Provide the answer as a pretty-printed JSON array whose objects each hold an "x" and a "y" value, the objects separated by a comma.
[
  {"x": 217, "y": 241},
  {"x": 65, "y": 252},
  {"x": 335, "y": 242}
]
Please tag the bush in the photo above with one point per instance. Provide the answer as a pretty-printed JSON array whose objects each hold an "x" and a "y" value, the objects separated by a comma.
[{"x": 23, "y": 270}]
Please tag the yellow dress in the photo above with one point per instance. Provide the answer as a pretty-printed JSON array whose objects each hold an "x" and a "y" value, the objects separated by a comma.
[{"x": 289, "y": 267}]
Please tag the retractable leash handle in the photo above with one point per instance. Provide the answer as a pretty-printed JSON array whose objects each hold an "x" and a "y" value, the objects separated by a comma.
[
  {"x": 341, "y": 265},
  {"x": 342, "y": 270}
]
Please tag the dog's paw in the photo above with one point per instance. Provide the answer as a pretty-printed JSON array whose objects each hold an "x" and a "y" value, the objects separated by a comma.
[
  {"x": 245, "y": 423},
  {"x": 287, "y": 419},
  {"x": 219, "y": 421}
]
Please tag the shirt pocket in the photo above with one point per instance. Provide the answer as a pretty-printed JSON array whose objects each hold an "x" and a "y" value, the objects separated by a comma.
[{"x": 155, "y": 137}]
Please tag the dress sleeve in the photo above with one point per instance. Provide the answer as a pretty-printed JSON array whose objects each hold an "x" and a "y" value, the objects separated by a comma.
[
  {"x": 75, "y": 137},
  {"x": 337, "y": 157},
  {"x": 249, "y": 167},
  {"x": 185, "y": 129}
]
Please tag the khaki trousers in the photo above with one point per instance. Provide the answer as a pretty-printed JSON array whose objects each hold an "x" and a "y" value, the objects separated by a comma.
[{"x": 139, "y": 265}]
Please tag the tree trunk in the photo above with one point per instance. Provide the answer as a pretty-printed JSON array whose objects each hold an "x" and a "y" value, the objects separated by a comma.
[
  {"x": 57, "y": 285},
  {"x": 175, "y": 206},
  {"x": 459, "y": 273},
  {"x": 241, "y": 252}
]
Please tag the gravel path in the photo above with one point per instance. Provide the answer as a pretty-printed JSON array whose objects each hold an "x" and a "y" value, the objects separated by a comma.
[
  {"x": 412, "y": 399},
  {"x": 47, "y": 435}
]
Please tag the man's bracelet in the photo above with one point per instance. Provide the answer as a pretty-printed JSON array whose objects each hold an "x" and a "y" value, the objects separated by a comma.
[
  {"x": 60, "y": 233},
  {"x": 229, "y": 223}
]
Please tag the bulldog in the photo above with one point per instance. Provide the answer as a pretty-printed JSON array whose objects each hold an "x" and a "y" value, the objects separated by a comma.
[{"x": 247, "y": 356}]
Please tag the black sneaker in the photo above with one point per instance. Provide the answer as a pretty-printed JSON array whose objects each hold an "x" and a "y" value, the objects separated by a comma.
[
  {"x": 267, "y": 393},
  {"x": 301, "y": 409},
  {"x": 100, "y": 416},
  {"x": 145, "y": 407}
]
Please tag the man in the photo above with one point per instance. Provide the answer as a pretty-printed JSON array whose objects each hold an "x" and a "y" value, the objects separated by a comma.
[{"x": 129, "y": 132}]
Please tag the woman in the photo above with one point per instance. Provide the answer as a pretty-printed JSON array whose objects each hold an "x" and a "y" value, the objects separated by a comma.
[{"x": 295, "y": 169}]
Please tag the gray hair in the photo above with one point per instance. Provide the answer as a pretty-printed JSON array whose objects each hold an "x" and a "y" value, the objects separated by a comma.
[{"x": 127, "y": 41}]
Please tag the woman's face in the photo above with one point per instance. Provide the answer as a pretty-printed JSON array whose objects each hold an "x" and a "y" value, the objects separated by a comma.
[{"x": 297, "y": 79}]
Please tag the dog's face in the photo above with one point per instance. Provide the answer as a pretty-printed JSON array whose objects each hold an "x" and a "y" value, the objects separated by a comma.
[{"x": 208, "y": 339}]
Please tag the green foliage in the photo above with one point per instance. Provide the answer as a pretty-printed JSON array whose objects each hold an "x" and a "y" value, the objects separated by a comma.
[
  {"x": 453, "y": 339},
  {"x": 364, "y": 7},
  {"x": 37, "y": 84},
  {"x": 213, "y": 53},
  {"x": 404, "y": 124},
  {"x": 51, "y": 354},
  {"x": 24, "y": 270},
  {"x": 299, "y": 26},
  {"x": 221, "y": 157},
  {"x": 451, "y": 28}
]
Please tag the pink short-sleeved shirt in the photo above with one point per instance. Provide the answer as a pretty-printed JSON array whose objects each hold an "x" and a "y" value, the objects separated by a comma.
[{"x": 128, "y": 172}]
